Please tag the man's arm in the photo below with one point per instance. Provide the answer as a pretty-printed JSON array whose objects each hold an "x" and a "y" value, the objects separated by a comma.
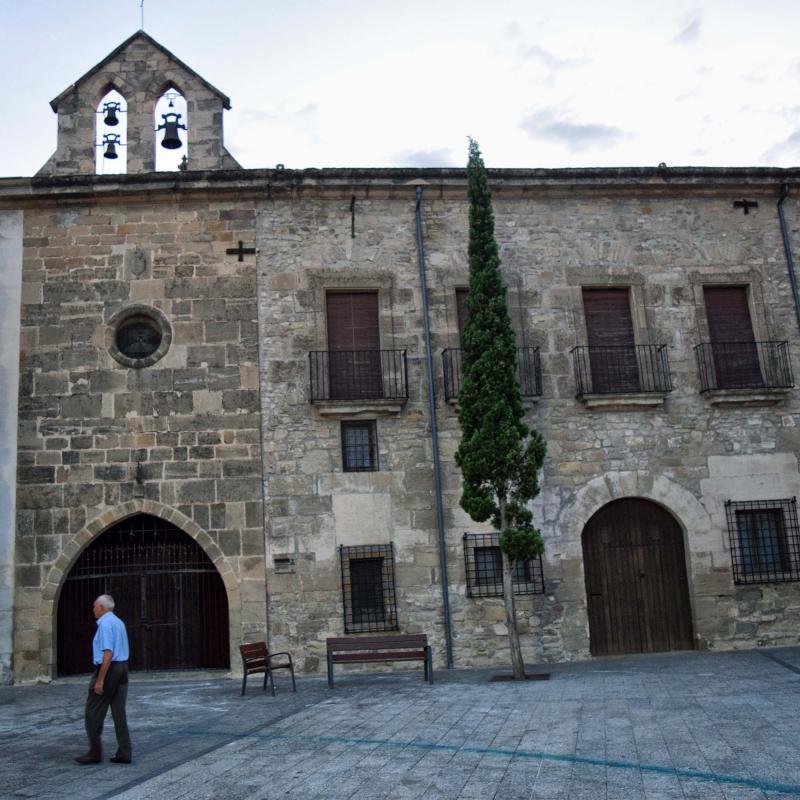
[{"x": 101, "y": 675}]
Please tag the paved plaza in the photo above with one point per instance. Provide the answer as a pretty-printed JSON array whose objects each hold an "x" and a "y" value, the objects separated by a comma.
[{"x": 692, "y": 725}]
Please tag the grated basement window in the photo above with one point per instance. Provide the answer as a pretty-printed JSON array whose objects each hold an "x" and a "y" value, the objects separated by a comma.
[
  {"x": 484, "y": 563},
  {"x": 368, "y": 593},
  {"x": 765, "y": 540},
  {"x": 359, "y": 447}
]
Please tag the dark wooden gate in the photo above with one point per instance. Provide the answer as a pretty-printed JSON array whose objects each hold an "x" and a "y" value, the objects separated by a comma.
[
  {"x": 167, "y": 592},
  {"x": 636, "y": 586},
  {"x": 733, "y": 344},
  {"x": 354, "y": 346},
  {"x": 612, "y": 347}
]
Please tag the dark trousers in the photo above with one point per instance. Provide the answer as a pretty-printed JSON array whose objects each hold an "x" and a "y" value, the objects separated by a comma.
[{"x": 115, "y": 693}]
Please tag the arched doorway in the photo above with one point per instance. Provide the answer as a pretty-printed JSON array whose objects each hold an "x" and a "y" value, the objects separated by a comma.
[
  {"x": 167, "y": 591},
  {"x": 636, "y": 587}
]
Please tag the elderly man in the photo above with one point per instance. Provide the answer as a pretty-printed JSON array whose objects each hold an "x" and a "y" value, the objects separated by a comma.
[{"x": 109, "y": 684}]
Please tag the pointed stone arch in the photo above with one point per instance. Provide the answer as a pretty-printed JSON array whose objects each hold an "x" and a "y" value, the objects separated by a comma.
[{"x": 77, "y": 544}]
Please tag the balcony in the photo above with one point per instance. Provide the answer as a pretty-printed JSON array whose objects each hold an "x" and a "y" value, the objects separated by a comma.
[
  {"x": 349, "y": 382},
  {"x": 529, "y": 372},
  {"x": 747, "y": 372},
  {"x": 622, "y": 377}
]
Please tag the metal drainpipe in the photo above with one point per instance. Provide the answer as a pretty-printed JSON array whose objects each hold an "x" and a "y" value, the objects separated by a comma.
[
  {"x": 787, "y": 247},
  {"x": 437, "y": 473}
]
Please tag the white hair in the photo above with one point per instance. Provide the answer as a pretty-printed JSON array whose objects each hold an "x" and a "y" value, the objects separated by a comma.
[{"x": 106, "y": 600}]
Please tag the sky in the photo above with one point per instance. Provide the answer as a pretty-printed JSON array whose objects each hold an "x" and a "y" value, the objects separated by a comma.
[{"x": 384, "y": 83}]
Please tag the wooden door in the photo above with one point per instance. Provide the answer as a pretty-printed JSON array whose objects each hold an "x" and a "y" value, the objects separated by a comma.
[
  {"x": 733, "y": 344},
  {"x": 612, "y": 347},
  {"x": 636, "y": 585},
  {"x": 354, "y": 345},
  {"x": 167, "y": 592}
]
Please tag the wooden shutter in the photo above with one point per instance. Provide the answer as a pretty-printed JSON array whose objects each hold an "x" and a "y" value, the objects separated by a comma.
[
  {"x": 354, "y": 345},
  {"x": 733, "y": 344},
  {"x": 612, "y": 347}
]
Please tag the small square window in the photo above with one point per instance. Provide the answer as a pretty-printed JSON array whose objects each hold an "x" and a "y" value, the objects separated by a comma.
[
  {"x": 359, "y": 446},
  {"x": 765, "y": 540},
  {"x": 484, "y": 563},
  {"x": 368, "y": 593}
]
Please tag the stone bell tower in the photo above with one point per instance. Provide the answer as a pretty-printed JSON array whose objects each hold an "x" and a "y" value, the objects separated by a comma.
[{"x": 141, "y": 70}]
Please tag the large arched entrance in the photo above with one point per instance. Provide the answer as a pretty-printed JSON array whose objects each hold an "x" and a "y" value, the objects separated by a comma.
[
  {"x": 167, "y": 591},
  {"x": 636, "y": 587}
]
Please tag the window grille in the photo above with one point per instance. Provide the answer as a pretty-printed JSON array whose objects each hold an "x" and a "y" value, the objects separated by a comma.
[
  {"x": 368, "y": 592},
  {"x": 359, "y": 447},
  {"x": 765, "y": 540},
  {"x": 484, "y": 563}
]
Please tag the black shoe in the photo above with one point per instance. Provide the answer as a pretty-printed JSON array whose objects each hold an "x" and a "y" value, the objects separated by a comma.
[
  {"x": 89, "y": 758},
  {"x": 119, "y": 760}
]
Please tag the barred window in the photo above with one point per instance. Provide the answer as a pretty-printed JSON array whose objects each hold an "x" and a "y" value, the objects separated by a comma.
[
  {"x": 765, "y": 540},
  {"x": 484, "y": 563},
  {"x": 359, "y": 446},
  {"x": 368, "y": 593}
]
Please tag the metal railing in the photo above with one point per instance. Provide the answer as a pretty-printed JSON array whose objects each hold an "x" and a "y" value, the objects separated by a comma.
[
  {"x": 529, "y": 372},
  {"x": 358, "y": 375},
  {"x": 744, "y": 365},
  {"x": 634, "y": 369}
]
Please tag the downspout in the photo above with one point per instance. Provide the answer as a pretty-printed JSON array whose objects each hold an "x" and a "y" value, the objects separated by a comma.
[
  {"x": 787, "y": 248},
  {"x": 437, "y": 470}
]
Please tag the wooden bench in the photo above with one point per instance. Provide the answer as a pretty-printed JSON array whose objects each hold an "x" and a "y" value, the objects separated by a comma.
[{"x": 363, "y": 649}]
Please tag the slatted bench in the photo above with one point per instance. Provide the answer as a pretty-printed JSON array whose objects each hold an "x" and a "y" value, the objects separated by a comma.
[{"x": 363, "y": 649}]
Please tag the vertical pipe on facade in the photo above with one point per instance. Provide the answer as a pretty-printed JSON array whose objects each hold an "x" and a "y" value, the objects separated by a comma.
[
  {"x": 437, "y": 472},
  {"x": 787, "y": 247}
]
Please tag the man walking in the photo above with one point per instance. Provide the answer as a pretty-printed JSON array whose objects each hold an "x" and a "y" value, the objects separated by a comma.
[{"x": 109, "y": 684}]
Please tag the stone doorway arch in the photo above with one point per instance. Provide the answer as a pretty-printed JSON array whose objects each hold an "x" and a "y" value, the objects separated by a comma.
[{"x": 58, "y": 573}]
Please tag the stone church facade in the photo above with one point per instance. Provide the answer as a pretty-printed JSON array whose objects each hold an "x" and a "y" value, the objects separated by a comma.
[{"x": 275, "y": 425}]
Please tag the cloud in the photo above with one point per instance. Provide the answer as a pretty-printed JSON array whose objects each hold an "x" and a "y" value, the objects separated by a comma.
[
  {"x": 689, "y": 33},
  {"x": 306, "y": 112},
  {"x": 553, "y": 125},
  {"x": 789, "y": 148},
  {"x": 441, "y": 157},
  {"x": 512, "y": 30},
  {"x": 553, "y": 62}
]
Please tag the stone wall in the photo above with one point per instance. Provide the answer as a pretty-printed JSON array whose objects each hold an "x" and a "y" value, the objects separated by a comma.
[
  {"x": 10, "y": 287},
  {"x": 664, "y": 244},
  {"x": 191, "y": 419}
]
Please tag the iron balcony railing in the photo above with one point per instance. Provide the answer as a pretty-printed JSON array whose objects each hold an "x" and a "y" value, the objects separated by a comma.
[
  {"x": 358, "y": 375},
  {"x": 625, "y": 369},
  {"x": 529, "y": 372},
  {"x": 744, "y": 365}
]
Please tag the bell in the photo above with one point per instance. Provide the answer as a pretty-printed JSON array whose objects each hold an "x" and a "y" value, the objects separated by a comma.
[
  {"x": 110, "y": 140},
  {"x": 171, "y": 139},
  {"x": 111, "y": 110}
]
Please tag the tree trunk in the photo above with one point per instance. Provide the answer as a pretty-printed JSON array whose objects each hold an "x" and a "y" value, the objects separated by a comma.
[{"x": 517, "y": 664}]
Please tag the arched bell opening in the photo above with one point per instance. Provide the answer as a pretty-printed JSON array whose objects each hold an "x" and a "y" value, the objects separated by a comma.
[
  {"x": 171, "y": 126},
  {"x": 111, "y": 134},
  {"x": 637, "y": 591},
  {"x": 167, "y": 591}
]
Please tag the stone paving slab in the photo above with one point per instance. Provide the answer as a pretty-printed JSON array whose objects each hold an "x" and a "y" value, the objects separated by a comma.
[{"x": 693, "y": 725}]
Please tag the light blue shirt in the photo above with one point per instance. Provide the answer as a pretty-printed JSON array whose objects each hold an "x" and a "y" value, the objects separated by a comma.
[{"x": 111, "y": 635}]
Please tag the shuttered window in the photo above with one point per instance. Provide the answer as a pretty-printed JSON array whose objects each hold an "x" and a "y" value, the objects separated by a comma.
[
  {"x": 461, "y": 310},
  {"x": 733, "y": 344},
  {"x": 354, "y": 345},
  {"x": 612, "y": 347}
]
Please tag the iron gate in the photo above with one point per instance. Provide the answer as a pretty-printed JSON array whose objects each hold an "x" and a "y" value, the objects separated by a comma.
[{"x": 167, "y": 591}]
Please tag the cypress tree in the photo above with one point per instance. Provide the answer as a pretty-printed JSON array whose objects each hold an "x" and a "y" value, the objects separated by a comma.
[{"x": 499, "y": 456}]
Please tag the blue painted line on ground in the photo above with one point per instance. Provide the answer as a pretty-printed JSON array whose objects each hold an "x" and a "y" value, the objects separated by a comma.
[{"x": 735, "y": 780}]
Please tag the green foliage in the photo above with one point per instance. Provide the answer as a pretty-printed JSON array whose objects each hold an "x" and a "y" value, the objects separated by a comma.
[{"x": 499, "y": 456}]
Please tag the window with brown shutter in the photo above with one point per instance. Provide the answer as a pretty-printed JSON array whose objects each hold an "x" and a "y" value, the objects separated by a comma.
[
  {"x": 612, "y": 347},
  {"x": 733, "y": 345},
  {"x": 354, "y": 345}
]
